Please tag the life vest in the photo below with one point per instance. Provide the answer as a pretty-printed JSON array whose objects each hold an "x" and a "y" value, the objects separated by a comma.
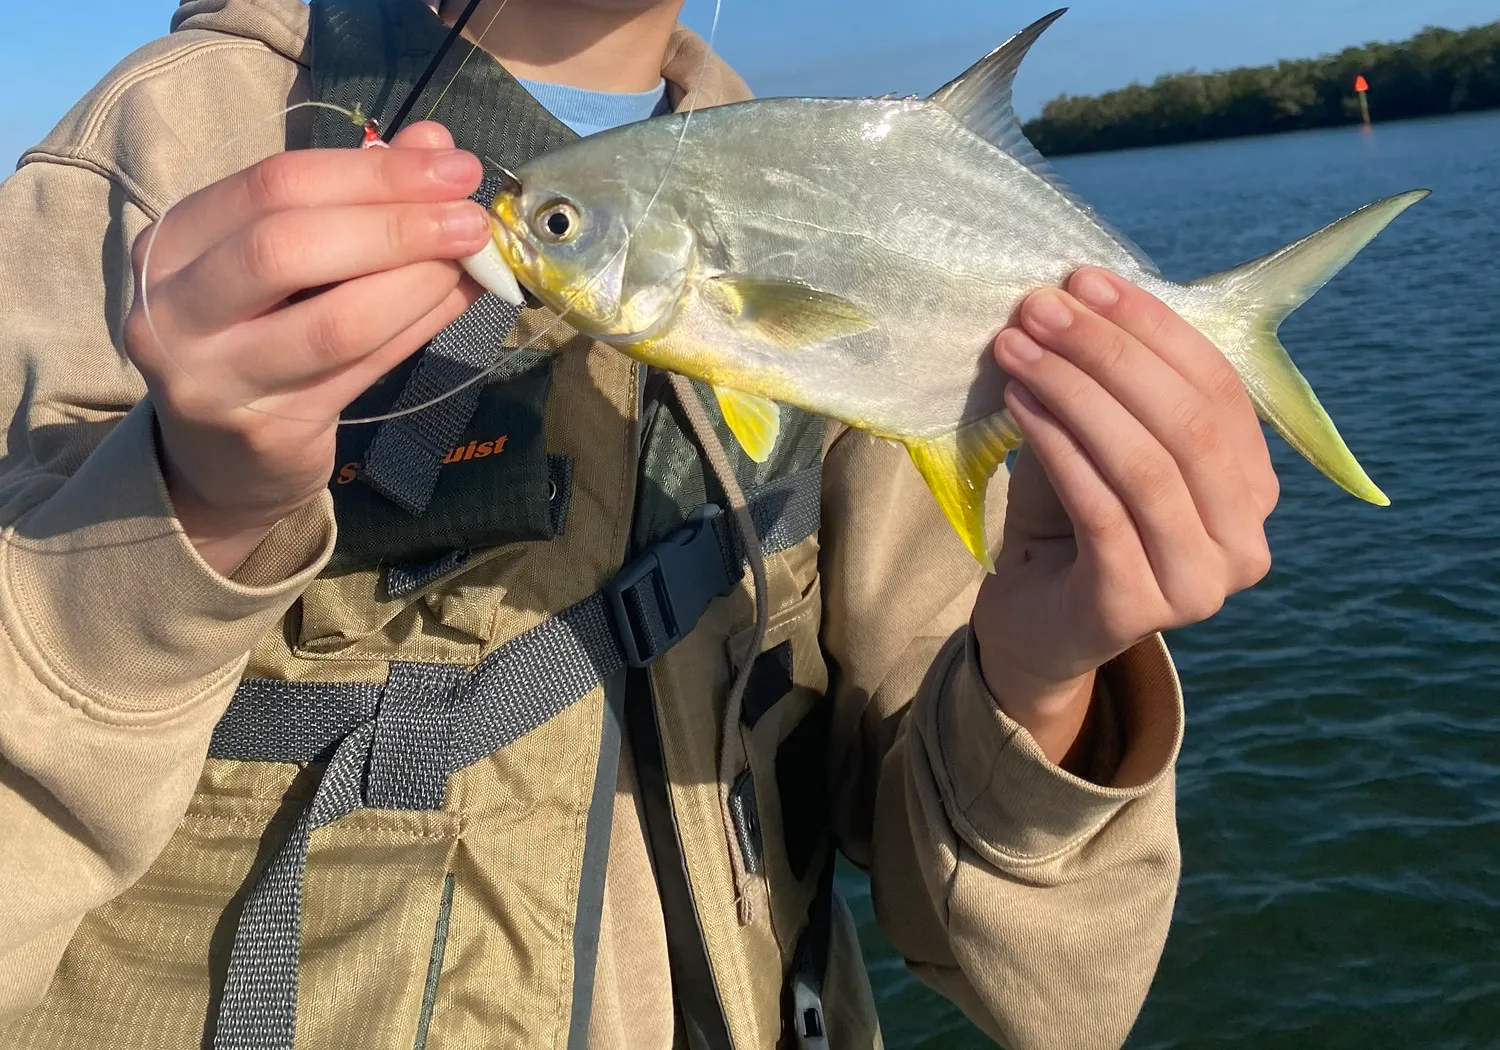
[{"x": 400, "y": 837}]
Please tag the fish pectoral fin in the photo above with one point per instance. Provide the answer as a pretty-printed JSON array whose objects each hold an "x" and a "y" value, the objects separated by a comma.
[
  {"x": 957, "y": 468},
  {"x": 787, "y": 313},
  {"x": 754, "y": 421}
]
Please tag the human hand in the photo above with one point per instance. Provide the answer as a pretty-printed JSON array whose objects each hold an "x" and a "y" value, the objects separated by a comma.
[
  {"x": 1138, "y": 502},
  {"x": 279, "y": 295}
]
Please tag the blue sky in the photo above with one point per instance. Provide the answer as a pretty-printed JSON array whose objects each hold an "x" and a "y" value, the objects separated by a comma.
[{"x": 835, "y": 47}]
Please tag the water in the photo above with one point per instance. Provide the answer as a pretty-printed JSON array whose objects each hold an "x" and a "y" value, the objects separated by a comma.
[{"x": 1340, "y": 784}]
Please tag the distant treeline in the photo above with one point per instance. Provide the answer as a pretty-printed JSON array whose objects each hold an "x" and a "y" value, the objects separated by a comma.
[{"x": 1437, "y": 71}]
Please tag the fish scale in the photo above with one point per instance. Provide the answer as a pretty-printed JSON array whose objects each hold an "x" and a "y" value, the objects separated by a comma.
[{"x": 857, "y": 257}]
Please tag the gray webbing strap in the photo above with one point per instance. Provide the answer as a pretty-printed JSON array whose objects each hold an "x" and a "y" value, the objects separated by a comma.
[
  {"x": 394, "y": 746},
  {"x": 259, "y": 1007},
  {"x": 401, "y": 580},
  {"x": 371, "y": 54},
  {"x": 406, "y": 454}
]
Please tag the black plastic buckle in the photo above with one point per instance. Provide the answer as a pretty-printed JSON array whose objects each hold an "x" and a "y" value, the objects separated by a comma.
[
  {"x": 682, "y": 573},
  {"x": 808, "y": 1029}
]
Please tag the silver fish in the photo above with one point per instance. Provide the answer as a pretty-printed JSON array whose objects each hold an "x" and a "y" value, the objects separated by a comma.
[{"x": 857, "y": 257}]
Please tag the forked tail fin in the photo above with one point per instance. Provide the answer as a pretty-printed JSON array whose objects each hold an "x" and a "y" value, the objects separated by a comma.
[{"x": 1251, "y": 303}]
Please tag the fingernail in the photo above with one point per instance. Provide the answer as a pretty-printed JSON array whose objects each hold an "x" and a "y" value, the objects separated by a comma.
[
  {"x": 1048, "y": 310},
  {"x": 1020, "y": 346},
  {"x": 453, "y": 166},
  {"x": 465, "y": 220},
  {"x": 1095, "y": 289},
  {"x": 1025, "y": 398}
]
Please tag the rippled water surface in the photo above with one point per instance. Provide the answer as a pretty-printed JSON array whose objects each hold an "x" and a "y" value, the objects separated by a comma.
[{"x": 1340, "y": 785}]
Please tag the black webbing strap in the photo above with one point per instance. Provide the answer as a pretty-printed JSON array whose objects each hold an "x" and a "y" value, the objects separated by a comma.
[
  {"x": 406, "y": 454},
  {"x": 377, "y": 55},
  {"x": 394, "y": 746}
]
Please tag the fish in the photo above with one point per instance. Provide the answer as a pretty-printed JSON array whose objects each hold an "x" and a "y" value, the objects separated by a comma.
[{"x": 856, "y": 258}]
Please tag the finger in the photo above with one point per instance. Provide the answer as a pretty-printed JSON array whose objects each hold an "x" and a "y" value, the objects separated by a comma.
[
  {"x": 287, "y": 252},
  {"x": 322, "y": 178},
  {"x": 1193, "y": 356},
  {"x": 305, "y": 343},
  {"x": 1103, "y": 527},
  {"x": 425, "y": 134},
  {"x": 1171, "y": 409},
  {"x": 1033, "y": 508},
  {"x": 1137, "y": 467}
]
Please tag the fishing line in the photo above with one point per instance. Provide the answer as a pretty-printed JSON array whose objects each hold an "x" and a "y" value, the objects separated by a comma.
[
  {"x": 355, "y": 117},
  {"x": 358, "y": 118},
  {"x": 473, "y": 6},
  {"x": 559, "y": 319},
  {"x": 432, "y": 67}
]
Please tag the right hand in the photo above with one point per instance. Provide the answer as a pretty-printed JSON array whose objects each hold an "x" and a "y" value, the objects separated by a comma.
[{"x": 250, "y": 374}]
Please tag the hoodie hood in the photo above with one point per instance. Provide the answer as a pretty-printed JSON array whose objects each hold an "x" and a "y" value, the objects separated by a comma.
[{"x": 282, "y": 25}]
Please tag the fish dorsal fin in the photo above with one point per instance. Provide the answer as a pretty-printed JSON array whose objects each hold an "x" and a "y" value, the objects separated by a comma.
[
  {"x": 957, "y": 468},
  {"x": 787, "y": 313},
  {"x": 980, "y": 100},
  {"x": 981, "y": 97},
  {"x": 754, "y": 421}
]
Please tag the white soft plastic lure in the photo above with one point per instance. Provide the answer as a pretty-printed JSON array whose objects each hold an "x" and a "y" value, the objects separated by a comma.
[{"x": 489, "y": 268}]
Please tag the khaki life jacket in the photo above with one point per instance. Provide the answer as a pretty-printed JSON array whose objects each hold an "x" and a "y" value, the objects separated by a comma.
[{"x": 400, "y": 837}]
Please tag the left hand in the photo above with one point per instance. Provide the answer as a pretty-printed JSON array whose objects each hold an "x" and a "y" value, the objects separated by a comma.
[{"x": 1137, "y": 504}]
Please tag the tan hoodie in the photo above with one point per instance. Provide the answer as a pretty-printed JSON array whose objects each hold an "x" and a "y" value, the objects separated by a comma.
[{"x": 1036, "y": 900}]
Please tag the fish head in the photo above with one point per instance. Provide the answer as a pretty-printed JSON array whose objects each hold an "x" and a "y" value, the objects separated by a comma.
[{"x": 600, "y": 248}]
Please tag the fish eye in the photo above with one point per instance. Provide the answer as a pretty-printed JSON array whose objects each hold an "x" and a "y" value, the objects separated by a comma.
[{"x": 557, "y": 222}]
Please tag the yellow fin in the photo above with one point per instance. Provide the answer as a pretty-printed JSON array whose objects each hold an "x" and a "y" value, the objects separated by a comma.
[
  {"x": 754, "y": 421},
  {"x": 957, "y": 468},
  {"x": 1269, "y": 289},
  {"x": 786, "y": 313}
]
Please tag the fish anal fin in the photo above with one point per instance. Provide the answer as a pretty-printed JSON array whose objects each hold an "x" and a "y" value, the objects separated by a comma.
[
  {"x": 957, "y": 468},
  {"x": 754, "y": 421},
  {"x": 787, "y": 313}
]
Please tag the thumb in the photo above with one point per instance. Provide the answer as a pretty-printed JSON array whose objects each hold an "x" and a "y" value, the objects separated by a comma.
[{"x": 1032, "y": 509}]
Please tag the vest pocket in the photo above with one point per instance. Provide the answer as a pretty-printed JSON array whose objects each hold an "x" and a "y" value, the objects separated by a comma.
[
  {"x": 780, "y": 801},
  {"x": 374, "y": 890},
  {"x": 435, "y": 963},
  {"x": 493, "y": 484}
]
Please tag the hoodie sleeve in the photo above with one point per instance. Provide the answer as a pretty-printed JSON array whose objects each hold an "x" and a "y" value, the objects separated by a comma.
[
  {"x": 1035, "y": 900},
  {"x": 119, "y": 646}
]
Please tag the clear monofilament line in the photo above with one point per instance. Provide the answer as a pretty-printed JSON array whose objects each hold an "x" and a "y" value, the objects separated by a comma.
[
  {"x": 462, "y": 65},
  {"x": 358, "y": 118},
  {"x": 560, "y": 318}
]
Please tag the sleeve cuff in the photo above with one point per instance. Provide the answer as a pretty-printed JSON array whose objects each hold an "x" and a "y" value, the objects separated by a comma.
[
  {"x": 1001, "y": 792},
  {"x": 107, "y": 599}
]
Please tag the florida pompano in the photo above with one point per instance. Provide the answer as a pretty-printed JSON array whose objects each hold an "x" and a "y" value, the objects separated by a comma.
[{"x": 857, "y": 257}]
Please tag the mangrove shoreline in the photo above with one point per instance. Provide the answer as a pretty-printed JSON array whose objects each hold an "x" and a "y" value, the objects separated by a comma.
[{"x": 1436, "y": 72}]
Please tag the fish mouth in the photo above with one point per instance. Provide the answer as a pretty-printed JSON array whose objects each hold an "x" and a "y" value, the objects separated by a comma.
[
  {"x": 514, "y": 249},
  {"x": 493, "y": 271}
]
